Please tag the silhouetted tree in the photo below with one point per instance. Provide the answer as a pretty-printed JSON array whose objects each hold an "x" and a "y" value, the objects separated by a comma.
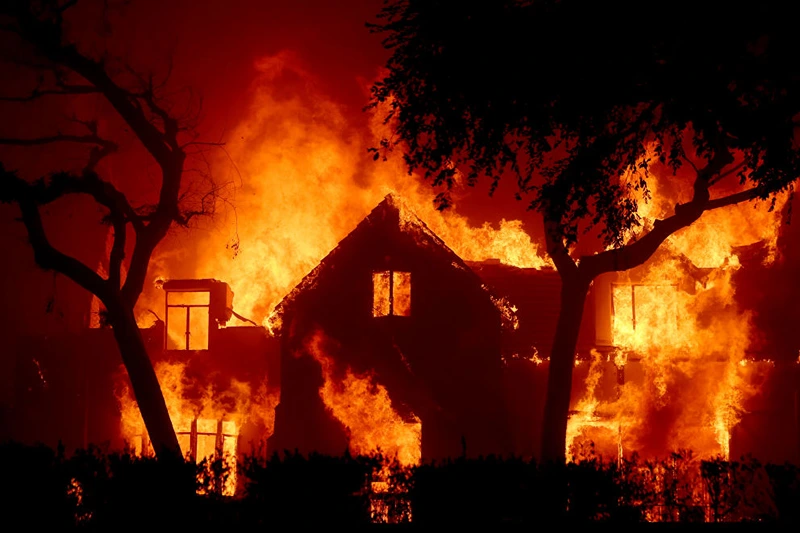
[
  {"x": 566, "y": 96},
  {"x": 65, "y": 70}
]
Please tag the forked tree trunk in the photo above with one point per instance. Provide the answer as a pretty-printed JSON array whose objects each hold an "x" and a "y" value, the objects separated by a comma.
[
  {"x": 562, "y": 361},
  {"x": 144, "y": 382}
]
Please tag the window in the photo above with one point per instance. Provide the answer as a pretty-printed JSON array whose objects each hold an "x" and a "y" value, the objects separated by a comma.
[
  {"x": 644, "y": 314},
  {"x": 391, "y": 293},
  {"x": 187, "y": 320},
  {"x": 208, "y": 438}
]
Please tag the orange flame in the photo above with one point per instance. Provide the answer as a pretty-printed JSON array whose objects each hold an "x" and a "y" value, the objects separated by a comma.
[
  {"x": 207, "y": 423},
  {"x": 301, "y": 180},
  {"x": 365, "y": 409},
  {"x": 676, "y": 321}
]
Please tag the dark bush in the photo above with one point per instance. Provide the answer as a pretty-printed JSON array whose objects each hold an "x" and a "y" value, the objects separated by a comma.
[{"x": 44, "y": 489}]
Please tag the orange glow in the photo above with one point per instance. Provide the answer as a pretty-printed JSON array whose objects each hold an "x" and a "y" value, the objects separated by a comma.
[
  {"x": 401, "y": 293},
  {"x": 676, "y": 325},
  {"x": 187, "y": 320},
  {"x": 587, "y": 415},
  {"x": 381, "y": 293},
  {"x": 302, "y": 181},
  {"x": 365, "y": 409},
  {"x": 212, "y": 417}
]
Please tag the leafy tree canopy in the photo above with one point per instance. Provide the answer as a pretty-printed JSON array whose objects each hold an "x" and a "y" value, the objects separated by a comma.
[{"x": 567, "y": 95}]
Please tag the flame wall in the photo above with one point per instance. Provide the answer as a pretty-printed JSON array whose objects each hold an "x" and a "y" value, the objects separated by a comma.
[
  {"x": 680, "y": 339},
  {"x": 296, "y": 178}
]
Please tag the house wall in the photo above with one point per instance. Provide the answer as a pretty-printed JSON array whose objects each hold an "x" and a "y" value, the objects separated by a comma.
[
  {"x": 441, "y": 363},
  {"x": 64, "y": 388},
  {"x": 66, "y": 385}
]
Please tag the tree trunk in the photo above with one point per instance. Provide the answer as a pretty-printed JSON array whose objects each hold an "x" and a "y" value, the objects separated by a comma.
[
  {"x": 144, "y": 382},
  {"x": 562, "y": 360}
]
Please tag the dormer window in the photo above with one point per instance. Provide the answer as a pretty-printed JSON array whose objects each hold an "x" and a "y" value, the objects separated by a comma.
[
  {"x": 187, "y": 320},
  {"x": 391, "y": 293}
]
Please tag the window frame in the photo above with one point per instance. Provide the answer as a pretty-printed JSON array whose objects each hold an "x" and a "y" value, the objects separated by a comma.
[
  {"x": 391, "y": 298},
  {"x": 220, "y": 435},
  {"x": 188, "y": 308},
  {"x": 633, "y": 286}
]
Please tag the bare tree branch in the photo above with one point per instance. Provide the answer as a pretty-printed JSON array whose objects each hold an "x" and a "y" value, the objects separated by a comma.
[
  {"x": 40, "y": 24},
  {"x": 27, "y": 196},
  {"x": 117, "y": 254},
  {"x": 162, "y": 145},
  {"x": 61, "y": 137},
  {"x": 46, "y": 36},
  {"x": 202, "y": 143},
  {"x": 37, "y": 93}
]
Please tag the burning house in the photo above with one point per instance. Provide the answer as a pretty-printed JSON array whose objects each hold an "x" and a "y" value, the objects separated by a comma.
[
  {"x": 70, "y": 388},
  {"x": 392, "y": 304},
  {"x": 394, "y": 343}
]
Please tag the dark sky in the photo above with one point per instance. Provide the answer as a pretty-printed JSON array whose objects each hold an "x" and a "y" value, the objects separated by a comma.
[{"x": 214, "y": 46}]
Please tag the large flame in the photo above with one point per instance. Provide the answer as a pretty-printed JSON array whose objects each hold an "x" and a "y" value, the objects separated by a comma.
[
  {"x": 678, "y": 320},
  {"x": 365, "y": 409},
  {"x": 299, "y": 179},
  {"x": 207, "y": 421}
]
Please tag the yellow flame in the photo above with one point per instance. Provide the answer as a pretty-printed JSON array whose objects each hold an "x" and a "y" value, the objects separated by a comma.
[
  {"x": 677, "y": 319},
  {"x": 198, "y": 408},
  {"x": 302, "y": 181},
  {"x": 364, "y": 407}
]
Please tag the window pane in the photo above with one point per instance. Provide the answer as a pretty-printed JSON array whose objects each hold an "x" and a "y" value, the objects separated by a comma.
[
  {"x": 176, "y": 328},
  {"x": 198, "y": 328},
  {"x": 188, "y": 298},
  {"x": 401, "y": 293},
  {"x": 229, "y": 427},
  {"x": 229, "y": 454},
  {"x": 206, "y": 447},
  {"x": 207, "y": 425},
  {"x": 206, "y": 438},
  {"x": 185, "y": 442},
  {"x": 380, "y": 293}
]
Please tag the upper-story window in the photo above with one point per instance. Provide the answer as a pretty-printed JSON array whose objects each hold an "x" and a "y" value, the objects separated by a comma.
[
  {"x": 187, "y": 320},
  {"x": 391, "y": 293},
  {"x": 644, "y": 314}
]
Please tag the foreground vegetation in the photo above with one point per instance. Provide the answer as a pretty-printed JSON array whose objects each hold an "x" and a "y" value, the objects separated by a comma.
[{"x": 90, "y": 489}]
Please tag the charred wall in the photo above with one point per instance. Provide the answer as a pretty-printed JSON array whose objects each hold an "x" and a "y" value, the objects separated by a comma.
[
  {"x": 66, "y": 386},
  {"x": 441, "y": 363}
]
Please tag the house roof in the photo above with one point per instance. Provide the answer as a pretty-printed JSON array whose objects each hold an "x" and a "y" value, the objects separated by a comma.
[{"x": 391, "y": 210}]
